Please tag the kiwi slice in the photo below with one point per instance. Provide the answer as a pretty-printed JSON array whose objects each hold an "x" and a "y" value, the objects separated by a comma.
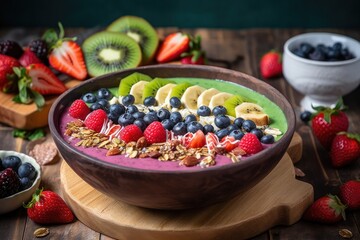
[
  {"x": 232, "y": 102},
  {"x": 179, "y": 89},
  {"x": 141, "y": 31},
  {"x": 151, "y": 88},
  {"x": 127, "y": 82},
  {"x": 107, "y": 52}
]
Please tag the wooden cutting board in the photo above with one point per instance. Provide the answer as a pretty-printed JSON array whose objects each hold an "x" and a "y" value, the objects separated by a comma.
[
  {"x": 26, "y": 116},
  {"x": 279, "y": 199}
]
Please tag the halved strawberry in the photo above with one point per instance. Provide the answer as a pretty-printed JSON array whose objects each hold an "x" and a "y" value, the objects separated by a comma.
[
  {"x": 194, "y": 55},
  {"x": 173, "y": 46},
  {"x": 8, "y": 79},
  {"x": 197, "y": 141},
  {"x": 65, "y": 55},
  {"x": 211, "y": 141},
  {"x": 229, "y": 143}
]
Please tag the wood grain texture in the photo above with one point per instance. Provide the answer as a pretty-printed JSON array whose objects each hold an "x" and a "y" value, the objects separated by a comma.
[{"x": 278, "y": 199}]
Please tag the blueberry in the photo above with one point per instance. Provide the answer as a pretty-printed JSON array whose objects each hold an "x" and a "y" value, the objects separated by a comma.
[
  {"x": 190, "y": 118},
  {"x": 248, "y": 125},
  {"x": 128, "y": 100},
  {"x": 25, "y": 183},
  {"x": 117, "y": 109},
  {"x": 333, "y": 54},
  {"x": 317, "y": 55},
  {"x": 167, "y": 124},
  {"x": 104, "y": 104},
  {"x": 150, "y": 101},
  {"x": 222, "y": 121},
  {"x": 204, "y": 111},
  {"x": 176, "y": 117},
  {"x": 89, "y": 97},
  {"x": 306, "y": 48},
  {"x": 219, "y": 110},
  {"x": 27, "y": 170},
  {"x": 104, "y": 93},
  {"x": 13, "y": 162},
  {"x": 222, "y": 133},
  {"x": 163, "y": 113},
  {"x": 150, "y": 117},
  {"x": 95, "y": 106},
  {"x": 140, "y": 123},
  {"x": 305, "y": 116},
  {"x": 1, "y": 166},
  {"x": 138, "y": 115},
  {"x": 267, "y": 139},
  {"x": 299, "y": 53},
  {"x": 232, "y": 127},
  {"x": 239, "y": 122},
  {"x": 194, "y": 127},
  {"x": 175, "y": 102},
  {"x": 180, "y": 128},
  {"x": 337, "y": 46},
  {"x": 126, "y": 119},
  {"x": 208, "y": 128},
  {"x": 132, "y": 109},
  {"x": 114, "y": 118},
  {"x": 257, "y": 132},
  {"x": 237, "y": 134}
]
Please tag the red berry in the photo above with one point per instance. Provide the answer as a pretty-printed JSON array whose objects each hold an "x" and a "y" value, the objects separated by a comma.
[
  {"x": 271, "y": 65},
  {"x": 327, "y": 209},
  {"x": 229, "y": 143},
  {"x": 9, "y": 183},
  {"x": 28, "y": 57},
  {"x": 79, "y": 109},
  {"x": 197, "y": 140},
  {"x": 345, "y": 149},
  {"x": 350, "y": 194},
  {"x": 8, "y": 80},
  {"x": 95, "y": 120},
  {"x": 155, "y": 133},
  {"x": 250, "y": 143},
  {"x": 131, "y": 133}
]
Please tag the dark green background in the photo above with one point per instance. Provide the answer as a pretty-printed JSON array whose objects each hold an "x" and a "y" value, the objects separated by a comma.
[{"x": 230, "y": 14}]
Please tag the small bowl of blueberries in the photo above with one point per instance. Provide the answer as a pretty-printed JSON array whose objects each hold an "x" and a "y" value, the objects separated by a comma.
[
  {"x": 20, "y": 176},
  {"x": 322, "y": 66}
]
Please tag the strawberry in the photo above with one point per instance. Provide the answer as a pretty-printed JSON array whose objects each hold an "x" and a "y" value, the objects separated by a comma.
[
  {"x": 327, "y": 209},
  {"x": 79, "y": 109},
  {"x": 211, "y": 141},
  {"x": 345, "y": 149},
  {"x": 65, "y": 54},
  {"x": 193, "y": 60},
  {"x": 327, "y": 122},
  {"x": 350, "y": 194},
  {"x": 8, "y": 79},
  {"x": 195, "y": 55},
  {"x": 130, "y": 133},
  {"x": 250, "y": 143},
  {"x": 172, "y": 47},
  {"x": 47, "y": 207},
  {"x": 155, "y": 133},
  {"x": 197, "y": 140},
  {"x": 271, "y": 64},
  {"x": 95, "y": 120},
  {"x": 9, "y": 183},
  {"x": 28, "y": 57},
  {"x": 229, "y": 143}
]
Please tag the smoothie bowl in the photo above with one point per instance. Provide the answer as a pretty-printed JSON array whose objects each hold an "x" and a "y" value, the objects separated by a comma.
[{"x": 176, "y": 137}]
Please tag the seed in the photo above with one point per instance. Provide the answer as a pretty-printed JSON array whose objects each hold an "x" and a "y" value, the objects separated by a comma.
[
  {"x": 345, "y": 233},
  {"x": 41, "y": 232}
]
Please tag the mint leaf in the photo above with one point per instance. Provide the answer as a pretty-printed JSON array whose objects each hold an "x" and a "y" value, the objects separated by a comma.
[
  {"x": 29, "y": 134},
  {"x": 38, "y": 99}
]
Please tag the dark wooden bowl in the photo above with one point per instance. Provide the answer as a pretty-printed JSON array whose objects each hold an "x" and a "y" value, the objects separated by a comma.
[{"x": 172, "y": 190}]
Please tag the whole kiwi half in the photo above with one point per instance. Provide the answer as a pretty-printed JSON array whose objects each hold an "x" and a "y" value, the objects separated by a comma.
[
  {"x": 107, "y": 52},
  {"x": 141, "y": 31}
]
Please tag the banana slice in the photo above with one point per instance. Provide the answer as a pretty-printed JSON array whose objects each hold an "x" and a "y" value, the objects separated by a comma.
[
  {"x": 219, "y": 99},
  {"x": 252, "y": 111},
  {"x": 137, "y": 91},
  {"x": 190, "y": 97},
  {"x": 163, "y": 92},
  {"x": 205, "y": 97}
]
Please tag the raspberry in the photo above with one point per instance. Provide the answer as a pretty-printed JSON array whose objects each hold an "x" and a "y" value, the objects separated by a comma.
[
  {"x": 11, "y": 48},
  {"x": 250, "y": 143},
  {"x": 155, "y": 133},
  {"x": 40, "y": 48},
  {"x": 131, "y": 133},
  {"x": 95, "y": 120},
  {"x": 9, "y": 183},
  {"x": 79, "y": 109}
]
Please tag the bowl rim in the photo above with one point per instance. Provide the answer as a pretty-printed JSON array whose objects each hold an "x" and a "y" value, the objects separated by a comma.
[
  {"x": 288, "y": 52},
  {"x": 33, "y": 161},
  {"x": 248, "y": 162}
]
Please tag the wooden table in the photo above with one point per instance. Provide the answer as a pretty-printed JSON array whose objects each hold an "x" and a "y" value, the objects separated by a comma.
[{"x": 238, "y": 50}]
